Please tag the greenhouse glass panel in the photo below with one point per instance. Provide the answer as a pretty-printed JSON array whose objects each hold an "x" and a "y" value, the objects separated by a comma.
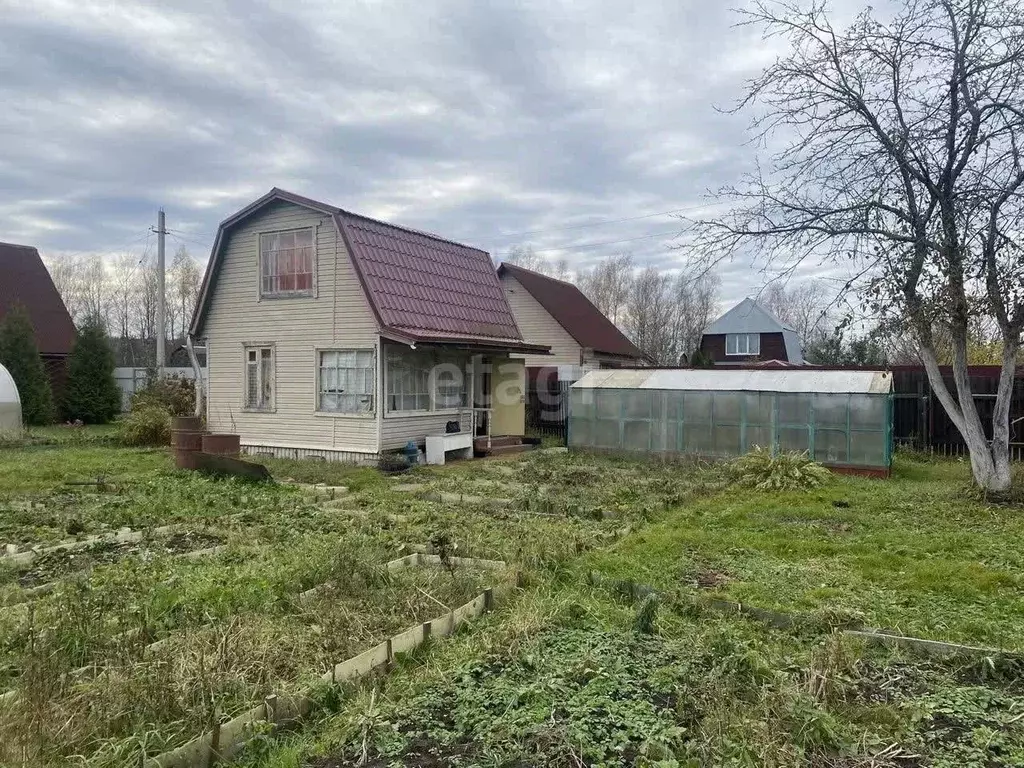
[
  {"x": 582, "y": 403},
  {"x": 697, "y": 439},
  {"x": 636, "y": 404},
  {"x": 759, "y": 408},
  {"x": 608, "y": 403},
  {"x": 663, "y": 436},
  {"x": 831, "y": 410},
  {"x": 868, "y": 448},
  {"x": 674, "y": 405},
  {"x": 606, "y": 434},
  {"x": 581, "y": 432},
  {"x": 830, "y": 446},
  {"x": 727, "y": 407},
  {"x": 793, "y": 439},
  {"x": 697, "y": 407},
  {"x": 636, "y": 435},
  {"x": 794, "y": 409},
  {"x": 726, "y": 440},
  {"x": 758, "y": 437},
  {"x": 867, "y": 412}
]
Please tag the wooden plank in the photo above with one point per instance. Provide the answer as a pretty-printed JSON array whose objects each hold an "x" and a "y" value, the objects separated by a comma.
[
  {"x": 359, "y": 665},
  {"x": 930, "y": 647},
  {"x": 408, "y": 640},
  {"x": 408, "y": 561}
]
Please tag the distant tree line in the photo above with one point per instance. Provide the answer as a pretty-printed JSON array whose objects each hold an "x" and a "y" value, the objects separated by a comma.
[
  {"x": 665, "y": 312},
  {"x": 122, "y": 293}
]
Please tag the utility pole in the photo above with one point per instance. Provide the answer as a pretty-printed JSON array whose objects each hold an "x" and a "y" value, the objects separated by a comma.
[{"x": 161, "y": 296}]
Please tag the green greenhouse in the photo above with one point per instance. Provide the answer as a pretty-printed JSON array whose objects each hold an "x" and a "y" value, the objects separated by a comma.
[{"x": 843, "y": 418}]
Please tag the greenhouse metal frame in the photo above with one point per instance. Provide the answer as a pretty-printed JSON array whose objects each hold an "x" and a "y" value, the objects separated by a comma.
[{"x": 841, "y": 418}]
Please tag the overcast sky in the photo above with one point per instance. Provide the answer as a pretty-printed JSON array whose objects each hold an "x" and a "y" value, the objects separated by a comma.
[{"x": 477, "y": 120}]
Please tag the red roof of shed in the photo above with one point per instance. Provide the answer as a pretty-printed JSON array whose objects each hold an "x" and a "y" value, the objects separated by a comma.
[
  {"x": 574, "y": 312},
  {"x": 25, "y": 280}
]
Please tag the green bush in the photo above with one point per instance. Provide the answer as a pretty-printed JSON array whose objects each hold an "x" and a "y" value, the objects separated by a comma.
[
  {"x": 147, "y": 425},
  {"x": 782, "y": 472},
  {"x": 176, "y": 395},
  {"x": 20, "y": 356},
  {"x": 93, "y": 395}
]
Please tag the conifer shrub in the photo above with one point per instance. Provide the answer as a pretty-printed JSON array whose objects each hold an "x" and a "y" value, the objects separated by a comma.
[{"x": 20, "y": 356}]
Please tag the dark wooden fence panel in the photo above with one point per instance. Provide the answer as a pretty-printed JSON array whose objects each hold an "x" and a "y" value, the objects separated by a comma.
[
  {"x": 920, "y": 421},
  {"x": 547, "y": 404}
]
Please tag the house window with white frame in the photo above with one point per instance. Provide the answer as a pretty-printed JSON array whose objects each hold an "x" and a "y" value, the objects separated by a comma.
[
  {"x": 743, "y": 344},
  {"x": 424, "y": 380},
  {"x": 259, "y": 378},
  {"x": 345, "y": 381},
  {"x": 449, "y": 383},
  {"x": 287, "y": 263}
]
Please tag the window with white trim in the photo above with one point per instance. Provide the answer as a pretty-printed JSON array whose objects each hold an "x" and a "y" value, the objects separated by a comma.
[
  {"x": 259, "y": 378},
  {"x": 408, "y": 380},
  {"x": 287, "y": 263},
  {"x": 345, "y": 381},
  {"x": 449, "y": 383},
  {"x": 424, "y": 380},
  {"x": 743, "y": 344}
]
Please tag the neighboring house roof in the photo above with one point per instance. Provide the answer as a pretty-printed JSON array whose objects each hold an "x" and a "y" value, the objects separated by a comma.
[
  {"x": 750, "y": 317},
  {"x": 421, "y": 287},
  {"x": 25, "y": 280},
  {"x": 805, "y": 380},
  {"x": 574, "y": 312}
]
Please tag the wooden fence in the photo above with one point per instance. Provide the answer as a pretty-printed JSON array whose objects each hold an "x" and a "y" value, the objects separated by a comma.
[
  {"x": 920, "y": 421},
  {"x": 547, "y": 406}
]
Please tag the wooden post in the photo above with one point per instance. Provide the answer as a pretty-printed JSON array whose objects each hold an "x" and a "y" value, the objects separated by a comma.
[{"x": 214, "y": 742}]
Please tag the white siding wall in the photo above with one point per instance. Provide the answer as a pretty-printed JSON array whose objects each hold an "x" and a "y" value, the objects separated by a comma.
[
  {"x": 539, "y": 327},
  {"x": 339, "y": 316},
  {"x": 399, "y": 430}
]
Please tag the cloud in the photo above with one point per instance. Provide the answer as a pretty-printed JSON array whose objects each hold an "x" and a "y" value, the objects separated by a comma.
[{"x": 475, "y": 119}]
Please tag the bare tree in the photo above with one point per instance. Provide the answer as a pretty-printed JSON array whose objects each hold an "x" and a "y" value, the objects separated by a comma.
[
  {"x": 147, "y": 300},
  {"x": 186, "y": 278},
  {"x": 608, "y": 285},
  {"x": 696, "y": 301},
  {"x": 650, "y": 314},
  {"x": 65, "y": 271},
  {"x": 902, "y": 141},
  {"x": 806, "y": 307}
]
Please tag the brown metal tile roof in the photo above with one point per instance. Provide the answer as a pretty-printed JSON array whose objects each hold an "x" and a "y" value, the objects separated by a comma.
[
  {"x": 24, "y": 280},
  {"x": 424, "y": 285},
  {"x": 574, "y": 312},
  {"x": 421, "y": 287}
]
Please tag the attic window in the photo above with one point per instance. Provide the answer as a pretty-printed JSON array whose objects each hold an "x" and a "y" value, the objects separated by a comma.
[
  {"x": 287, "y": 263},
  {"x": 743, "y": 344}
]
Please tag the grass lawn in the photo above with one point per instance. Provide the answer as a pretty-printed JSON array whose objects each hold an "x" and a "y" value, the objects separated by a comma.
[
  {"x": 563, "y": 673},
  {"x": 915, "y": 554},
  {"x": 578, "y": 675}
]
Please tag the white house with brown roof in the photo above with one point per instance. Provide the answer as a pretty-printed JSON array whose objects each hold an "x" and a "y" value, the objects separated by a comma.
[
  {"x": 558, "y": 314},
  {"x": 335, "y": 335}
]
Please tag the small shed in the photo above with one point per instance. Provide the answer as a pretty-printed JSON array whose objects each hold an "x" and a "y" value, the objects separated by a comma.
[
  {"x": 842, "y": 418},
  {"x": 10, "y": 403}
]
